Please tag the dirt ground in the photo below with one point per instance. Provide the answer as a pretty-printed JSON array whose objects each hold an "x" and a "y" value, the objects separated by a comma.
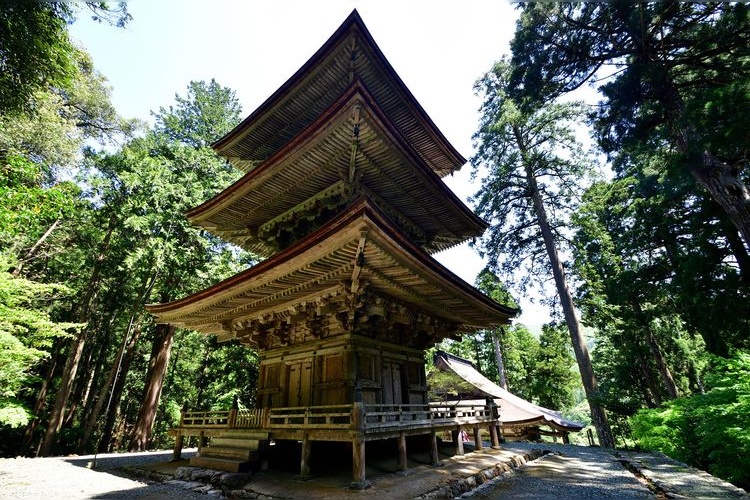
[{"x": 561, "y": 472}]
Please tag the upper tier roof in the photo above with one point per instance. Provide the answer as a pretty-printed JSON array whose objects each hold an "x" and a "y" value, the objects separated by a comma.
[
  {"x": 349, "y": 54},
  {"x": 350, "y": 149}
]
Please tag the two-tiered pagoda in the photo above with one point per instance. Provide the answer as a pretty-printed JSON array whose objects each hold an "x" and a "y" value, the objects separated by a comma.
[{"x": 343, "y": 196}]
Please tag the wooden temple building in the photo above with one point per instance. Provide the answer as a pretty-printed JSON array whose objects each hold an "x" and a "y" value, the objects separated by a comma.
[
  {"x": 342, "y": 195},
  {"x": 520, "y": 420}
]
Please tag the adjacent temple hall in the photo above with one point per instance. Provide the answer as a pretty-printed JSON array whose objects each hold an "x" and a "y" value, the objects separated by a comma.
[{"x": 342, "y": 195}]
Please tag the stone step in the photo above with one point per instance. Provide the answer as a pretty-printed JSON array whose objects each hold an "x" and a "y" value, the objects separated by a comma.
[
  {"x": 225, "y": 464},
  {"x": 227, "y": 452},
  {"x": 235, "y": 442}
]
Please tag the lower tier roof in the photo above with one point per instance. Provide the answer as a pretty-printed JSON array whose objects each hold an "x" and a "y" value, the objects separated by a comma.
[{"x": 359, "y": 250}]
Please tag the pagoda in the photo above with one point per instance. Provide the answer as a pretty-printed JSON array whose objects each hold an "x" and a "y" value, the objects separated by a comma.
[{"x": 342, "y": 195}]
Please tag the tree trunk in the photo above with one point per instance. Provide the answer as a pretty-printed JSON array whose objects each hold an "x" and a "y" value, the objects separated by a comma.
[
  {"x": 201, "y": 382},
  {"x": 113, "y": 404},
  {"x": 739, "y": 251},
  {"x": 656, "y": 352},
  {"x": 503, "y": 381},
  {"x": 651, "y": 392},
  {"x": 118, "y": 373},
  {"x": 598, "y": 415},
  {"x": 80, "y": 384},
  {"x": 152, "y": 392},
  {"x": 108, "y": 391},
  {"x": 661, "y": 364},
  {"x": 66, "y": 385},
  {"x": 723, "y": 182},
  {"x": 32, "y": 251},
  {"x": 92, "y": 397},
  {"x": 76, "y": 350},
  {"x": 725, "y": 185},
  {"x": 41, "y": 397}
]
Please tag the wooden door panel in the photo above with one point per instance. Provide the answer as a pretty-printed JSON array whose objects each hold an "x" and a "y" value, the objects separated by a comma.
[{"x": 391, "y": 379}]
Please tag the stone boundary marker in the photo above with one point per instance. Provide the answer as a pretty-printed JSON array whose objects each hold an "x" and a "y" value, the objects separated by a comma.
[{"x": 459, "y": 486}]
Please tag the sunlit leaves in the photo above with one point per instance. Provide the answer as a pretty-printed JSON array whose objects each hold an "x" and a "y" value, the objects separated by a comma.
[
  {"x": 26, "y": 335},
  {"x": 708, "y": 430}
]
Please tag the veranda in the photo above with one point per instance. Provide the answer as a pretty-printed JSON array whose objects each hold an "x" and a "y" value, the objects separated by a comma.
[{"x": 356, "y": 423}]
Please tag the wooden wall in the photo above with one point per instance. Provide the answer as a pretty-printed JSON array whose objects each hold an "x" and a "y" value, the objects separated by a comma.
[{"x": 335, "y": 370}]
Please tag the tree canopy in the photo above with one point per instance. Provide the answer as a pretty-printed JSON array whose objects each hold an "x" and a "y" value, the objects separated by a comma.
[
  {"x": 671, "y": 73},
  {"x": 36, "y": 54}
]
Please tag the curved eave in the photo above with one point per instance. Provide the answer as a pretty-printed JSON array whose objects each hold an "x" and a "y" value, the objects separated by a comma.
[
  {"x": 514, "y": 410},
  {"x": 414, "y": 256},
  {"x": 436, "y": 150},
  {"x": 210, "y": 302},
  {"x": 209, "y": 214}
]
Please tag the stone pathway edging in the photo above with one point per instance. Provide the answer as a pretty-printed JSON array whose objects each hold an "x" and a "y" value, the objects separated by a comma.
[
  {"x": 461, "y": 486},
  {"x": 662, "y": 484}
]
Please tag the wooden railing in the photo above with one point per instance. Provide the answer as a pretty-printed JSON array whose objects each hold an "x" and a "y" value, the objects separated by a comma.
[
  {"x": 250, "y": 419},
  {"x": 218, "y": 418},
  {"x": 398, "y": 415},
  {"x": 354, "y": 416},
  {"x": 319, "y": 417}
]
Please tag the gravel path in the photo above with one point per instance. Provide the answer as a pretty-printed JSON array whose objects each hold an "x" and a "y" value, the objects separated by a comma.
[
  {"x": 72, "y": 478},
  {"x": 570, "y": 472},
  {"x": 580, "y": 473}
]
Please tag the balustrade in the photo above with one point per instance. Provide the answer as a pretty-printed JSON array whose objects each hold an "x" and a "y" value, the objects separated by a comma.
[{"x": 372, "y": 418}]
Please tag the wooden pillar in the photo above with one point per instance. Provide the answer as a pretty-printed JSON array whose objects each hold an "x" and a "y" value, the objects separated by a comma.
[
  {"x": 477, "y": 438},
  {"x": 494, "y": 439},
  {"x": 566, "y": 437},
  {"x": 263, "y": 450},
  {"x": 304, "y": 463},
  {"x": 201, "y": 441},
  {"x": 177, "y": 450},
  {"x": 434, "y": 458},
  {"x": 402, "y": 460},
  {"x": 458, "y": 441},
  {"x": 359, "y": 479},
  {"x": 232, "y": 419}
]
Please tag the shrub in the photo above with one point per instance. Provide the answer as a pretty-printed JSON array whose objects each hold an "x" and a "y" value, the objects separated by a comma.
[{"x": 710, "y": 431}]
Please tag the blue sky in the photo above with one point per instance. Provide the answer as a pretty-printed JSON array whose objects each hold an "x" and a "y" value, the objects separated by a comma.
[{"x": 439, "y": 48}]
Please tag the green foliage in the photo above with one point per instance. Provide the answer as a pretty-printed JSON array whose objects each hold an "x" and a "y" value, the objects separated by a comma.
[
  {"x": 554, "y": 379},
  {"x": 672, "y": 76},
  {"x": 520, "y": 349},
  {"x": 207, "y": 113},
  {"x": 520, "y": 155},
  {"x": 36, "y": 53},
  {"x": 489, "y": 284},
  {"x": 26, "y": 336},
  {"x": 27, "y": 208},
  {"x": 708, "y": 430}
]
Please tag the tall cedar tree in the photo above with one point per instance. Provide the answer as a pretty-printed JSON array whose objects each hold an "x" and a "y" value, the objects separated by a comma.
[
  {"x": 526, "y": 195},
  {"x": 208, "y": 112},
  {"x": 491, "y": 285}
]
